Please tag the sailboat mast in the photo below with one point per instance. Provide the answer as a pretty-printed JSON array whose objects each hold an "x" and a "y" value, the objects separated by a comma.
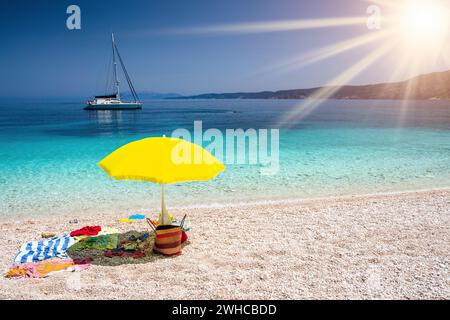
[
  {"x": 116, "y": 80},
  {"x": 127, "y": 77}
]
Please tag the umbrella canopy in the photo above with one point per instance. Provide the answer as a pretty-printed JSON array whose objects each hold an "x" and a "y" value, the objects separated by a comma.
[{"x": 161, "y": 160}]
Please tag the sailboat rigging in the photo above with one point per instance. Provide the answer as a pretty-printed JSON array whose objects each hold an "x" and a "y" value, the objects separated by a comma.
[{"x": 114, "y": 101}]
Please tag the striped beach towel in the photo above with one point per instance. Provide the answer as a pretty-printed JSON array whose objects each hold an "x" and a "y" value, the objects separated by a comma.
[{"x": 35, "y": 251}]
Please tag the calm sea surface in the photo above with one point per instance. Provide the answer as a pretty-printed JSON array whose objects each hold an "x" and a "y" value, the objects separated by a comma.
[{"x": 49, "y": 152}]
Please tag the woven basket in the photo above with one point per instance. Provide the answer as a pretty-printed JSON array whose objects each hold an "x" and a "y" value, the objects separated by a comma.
[{"x": 167, "y": 239}]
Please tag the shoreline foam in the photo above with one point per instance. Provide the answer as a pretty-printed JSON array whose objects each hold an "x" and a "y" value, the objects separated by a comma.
[{"x": 234, "y": 204}]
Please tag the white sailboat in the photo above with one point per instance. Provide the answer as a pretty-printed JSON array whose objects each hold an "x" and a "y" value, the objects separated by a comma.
[{"x": 113, "y": 101}]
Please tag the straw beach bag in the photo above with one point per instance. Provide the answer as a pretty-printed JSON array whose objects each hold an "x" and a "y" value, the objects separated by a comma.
[{"x": 168, "y": 238}]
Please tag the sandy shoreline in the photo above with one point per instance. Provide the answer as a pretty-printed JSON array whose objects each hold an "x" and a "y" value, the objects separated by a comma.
[{"x": 378, "y": 246}]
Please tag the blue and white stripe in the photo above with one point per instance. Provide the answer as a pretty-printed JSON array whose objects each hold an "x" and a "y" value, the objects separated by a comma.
[{"x": 35, "y": 251}]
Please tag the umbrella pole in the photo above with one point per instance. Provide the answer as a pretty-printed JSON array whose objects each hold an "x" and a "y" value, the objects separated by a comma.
[{"x": 165, "y": 219}]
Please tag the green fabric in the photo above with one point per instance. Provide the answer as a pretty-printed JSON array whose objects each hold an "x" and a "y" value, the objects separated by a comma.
[
  {"x": 130, "y": 246},
  {"x": 103, "y": 242},
  {"x": 134, "y": 244}
]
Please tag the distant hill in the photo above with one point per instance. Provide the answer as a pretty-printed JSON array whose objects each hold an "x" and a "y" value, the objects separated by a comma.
[
  {"x": 424, "y": 87},
  {"x": 150, "y": 95}
]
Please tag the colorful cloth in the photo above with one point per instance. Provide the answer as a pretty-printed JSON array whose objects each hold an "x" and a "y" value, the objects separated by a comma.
[
  {"x": 104, "y": 231},
  {"x": 44, "y": 268},
  {"x": 134, "y": 242},
  {"x": 184, "y": 237},
  {"x": 121, "y": 252},
  {"x": 35, "y": 251},
  {"x": 137, "y": 217},
  {"x": 126, "y": 220},
  {"x": 86, "y": 231},
  {"x": 134, "y": 245},
  {"x": 108, "y": 230},
  {"x": 103, "y": 242},
  {"x": 160, "y": 218}
]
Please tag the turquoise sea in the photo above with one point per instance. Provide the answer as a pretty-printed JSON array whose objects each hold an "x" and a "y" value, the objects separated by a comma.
[{"x": 49, "y": 152}]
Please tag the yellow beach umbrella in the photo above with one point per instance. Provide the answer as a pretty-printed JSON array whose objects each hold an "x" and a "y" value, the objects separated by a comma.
[{"x": 163, "y": 161}]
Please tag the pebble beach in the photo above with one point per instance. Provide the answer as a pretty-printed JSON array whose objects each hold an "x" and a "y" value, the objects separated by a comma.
[{"x": 386, "y": 246}]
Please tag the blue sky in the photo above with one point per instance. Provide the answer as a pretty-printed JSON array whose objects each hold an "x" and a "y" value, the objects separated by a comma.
[{"x": 39, "y": 56}]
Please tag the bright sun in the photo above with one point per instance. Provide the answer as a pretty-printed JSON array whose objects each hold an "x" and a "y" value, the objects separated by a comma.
[{"x": 424, "y": 22}]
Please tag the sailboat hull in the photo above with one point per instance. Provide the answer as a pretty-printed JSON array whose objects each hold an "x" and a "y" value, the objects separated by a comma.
[{"x": 114, "y": 106}]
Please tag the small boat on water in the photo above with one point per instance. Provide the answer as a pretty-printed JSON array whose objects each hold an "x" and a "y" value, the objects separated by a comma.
[{"x": 114, "y": 101}]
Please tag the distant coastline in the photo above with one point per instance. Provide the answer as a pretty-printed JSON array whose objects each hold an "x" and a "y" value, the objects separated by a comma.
[{"x": 433, "y": 86}]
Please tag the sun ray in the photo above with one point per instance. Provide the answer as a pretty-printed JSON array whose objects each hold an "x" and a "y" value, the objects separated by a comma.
[
  {"x": 334, "y": 85},
  {"x": 414, "y": 67},
  {"x": 445, "y": 55},
  {"x": 326, "y": 52},
  {"x": 271, "y": 26},
  {"x": 402, "y": 70}
]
